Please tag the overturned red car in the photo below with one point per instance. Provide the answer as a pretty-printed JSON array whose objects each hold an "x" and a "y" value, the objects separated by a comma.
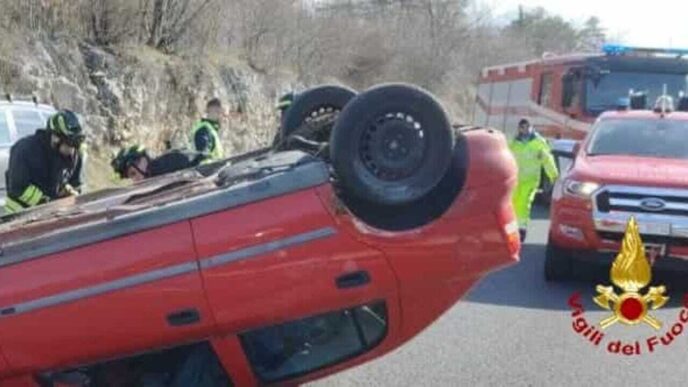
[{"x": 367, "y": 219}]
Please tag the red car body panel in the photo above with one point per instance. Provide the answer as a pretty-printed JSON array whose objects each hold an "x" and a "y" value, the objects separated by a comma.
[
  {"x": 107, "y": 324},
  {"x": 287, "y": 283},
  {"x": 258, "y": 264}
]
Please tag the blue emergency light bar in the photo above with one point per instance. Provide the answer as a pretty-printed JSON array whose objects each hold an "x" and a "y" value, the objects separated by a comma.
[{"x": 618, "y": 49}]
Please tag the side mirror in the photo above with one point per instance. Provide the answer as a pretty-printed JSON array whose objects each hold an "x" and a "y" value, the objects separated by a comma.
[
  {"x": 576, "y": 149},
  {"x": 565, "y": 148}
]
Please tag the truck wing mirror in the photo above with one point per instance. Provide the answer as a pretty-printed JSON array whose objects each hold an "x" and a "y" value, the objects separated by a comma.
[{"x": 565, "y": 148}]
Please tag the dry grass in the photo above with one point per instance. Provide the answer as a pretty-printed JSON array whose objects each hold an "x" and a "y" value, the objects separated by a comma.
[{"x": 437, "y": 44}]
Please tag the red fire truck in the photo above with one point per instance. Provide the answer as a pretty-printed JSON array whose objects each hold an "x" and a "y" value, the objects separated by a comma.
[{"x": 564, "y": 95}]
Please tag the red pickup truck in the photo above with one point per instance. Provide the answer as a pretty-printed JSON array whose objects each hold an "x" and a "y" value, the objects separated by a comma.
[
  {"x": 632, "y": 163},
  {"x": 275, "y": 267}
]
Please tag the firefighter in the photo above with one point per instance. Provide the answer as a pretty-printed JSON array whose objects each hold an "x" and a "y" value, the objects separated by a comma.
[
  {"x": 283, "y": 104},
  {"x": 135, "y": 163},
  {"x": 46, "y": 165},
  {"x": 532, "y": 154},
  {"x": 205, "y": 133}
]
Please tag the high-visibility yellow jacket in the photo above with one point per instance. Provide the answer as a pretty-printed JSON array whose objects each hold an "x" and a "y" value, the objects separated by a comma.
[
  {"x": 206, "y": 140},
  {"x": 532, "y": 154}
]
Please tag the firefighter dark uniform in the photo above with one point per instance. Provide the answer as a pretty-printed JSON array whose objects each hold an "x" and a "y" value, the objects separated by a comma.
[
  {"x": 168, "y": 162},
  {"x": 37, "y": 173},
  {"x": 207, "y": 140},
  {"x": 172, "y": 161},
  {"x": 285, "y": 102},
  {"x": 283, "y": 105}
]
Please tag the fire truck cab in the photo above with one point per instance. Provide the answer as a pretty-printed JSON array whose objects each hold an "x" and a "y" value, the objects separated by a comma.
[{"x": 564, "y": 95}]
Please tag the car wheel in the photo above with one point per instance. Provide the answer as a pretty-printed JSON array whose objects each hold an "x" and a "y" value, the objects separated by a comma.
[
  {"x": 391, "y": 145},
  {"x": 558, "y": 266},
  {"x": 317, "y": 104}
]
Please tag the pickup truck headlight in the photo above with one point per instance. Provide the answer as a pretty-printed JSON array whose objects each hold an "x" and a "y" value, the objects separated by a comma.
[{"x": 580, "y": 189}]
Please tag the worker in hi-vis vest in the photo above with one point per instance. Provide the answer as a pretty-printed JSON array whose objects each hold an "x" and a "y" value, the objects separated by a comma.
[
  {"x": 205, "y": 134},
  {"x": 532, "y": 154}
]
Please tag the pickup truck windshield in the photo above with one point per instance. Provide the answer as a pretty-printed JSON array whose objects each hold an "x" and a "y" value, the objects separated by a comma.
[
  {"x": 640, "y": 137},
  {"x": 611, "y": 87}
]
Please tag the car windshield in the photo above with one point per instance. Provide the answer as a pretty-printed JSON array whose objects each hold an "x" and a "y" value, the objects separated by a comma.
[
  {"x": 27, "y": 121},
  {"x": 4, "y": 129},
  {"x": 640, "y": 137},
  {"x": 605, "y": 94}
]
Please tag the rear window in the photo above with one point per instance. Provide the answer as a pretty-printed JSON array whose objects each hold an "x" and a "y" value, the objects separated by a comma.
[
  {"x": 27, "y": 121},
  {"x": 642, "y": 137},
  {"x": 4, "y": 129}
]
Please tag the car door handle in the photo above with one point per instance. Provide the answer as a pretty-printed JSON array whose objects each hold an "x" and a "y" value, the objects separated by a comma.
[
  {"x": 353, "y": 280},
  {"x": 183, "y": 317}
]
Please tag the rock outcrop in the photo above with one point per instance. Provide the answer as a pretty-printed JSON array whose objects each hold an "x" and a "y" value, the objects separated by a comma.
[{"x": 136, "y": 94}]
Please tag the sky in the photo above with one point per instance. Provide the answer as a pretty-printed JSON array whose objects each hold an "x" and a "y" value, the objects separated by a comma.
[{"x": 654, "y": 23}]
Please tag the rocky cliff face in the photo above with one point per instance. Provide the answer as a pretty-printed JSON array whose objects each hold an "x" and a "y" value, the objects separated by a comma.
[{"x": 139, "y": 95}]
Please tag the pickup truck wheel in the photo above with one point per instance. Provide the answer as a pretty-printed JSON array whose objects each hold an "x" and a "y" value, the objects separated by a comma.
[
  {"x": 391, "y": 145},
  {"x": 314, "y": 104},
  {"x": 558, "y": 266}
]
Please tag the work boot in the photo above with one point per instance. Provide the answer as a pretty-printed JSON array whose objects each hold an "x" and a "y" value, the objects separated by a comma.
[{"x": 522, "y": 232}]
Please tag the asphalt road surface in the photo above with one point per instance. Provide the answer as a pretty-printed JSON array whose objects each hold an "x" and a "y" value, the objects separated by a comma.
[{"x": 515, "y": 329}]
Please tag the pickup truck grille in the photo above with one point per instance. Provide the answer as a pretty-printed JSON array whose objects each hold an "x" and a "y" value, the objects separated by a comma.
[
  {"x": 647, "y": 239},
  {"x": 660, "y": 202},
  {"x": 662, "y": 213}
]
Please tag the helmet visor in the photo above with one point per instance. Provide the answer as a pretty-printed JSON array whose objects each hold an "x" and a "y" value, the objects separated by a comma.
[{"x": 74, "y": 140}]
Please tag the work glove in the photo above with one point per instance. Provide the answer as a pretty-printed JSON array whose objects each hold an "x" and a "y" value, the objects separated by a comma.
[{"x": 67, "y": 191}]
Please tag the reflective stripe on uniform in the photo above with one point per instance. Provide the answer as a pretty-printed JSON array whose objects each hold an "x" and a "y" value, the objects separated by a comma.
[
  {"x": 32, "y": 195},
  {"x": 12, "y": 206}
]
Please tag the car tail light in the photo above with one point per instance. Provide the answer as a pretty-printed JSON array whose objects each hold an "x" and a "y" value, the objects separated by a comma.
[
  {"x": 507, "y": 219},
  {"x": 513, "y": 238}
]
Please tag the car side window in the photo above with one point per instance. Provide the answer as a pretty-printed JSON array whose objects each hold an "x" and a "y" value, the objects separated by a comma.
[
  {"x": 296, "y": 348},
  {"x": 4, "y": 129},
  {"x": 27, "y": 121},
  {"x": 571, "y": 88},
  {"x": 188, "y": 365},
  {"x": 545, "y": 89}
]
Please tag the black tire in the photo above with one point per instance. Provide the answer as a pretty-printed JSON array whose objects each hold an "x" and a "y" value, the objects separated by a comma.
[
  {"x": 391, "y": 145},
  {"x": 558, "y": 265},
  {"x": 312, "y": 102},
  {"x": 418, "y": 212}
]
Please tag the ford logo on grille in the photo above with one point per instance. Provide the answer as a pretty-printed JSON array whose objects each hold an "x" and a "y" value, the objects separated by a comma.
[{"x": 653, "y": 204}]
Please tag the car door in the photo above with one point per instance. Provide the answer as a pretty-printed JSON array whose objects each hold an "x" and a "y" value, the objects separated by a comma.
[
  {"x": 302, "y": 296},
  {"x": 103, "y": 300}
]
